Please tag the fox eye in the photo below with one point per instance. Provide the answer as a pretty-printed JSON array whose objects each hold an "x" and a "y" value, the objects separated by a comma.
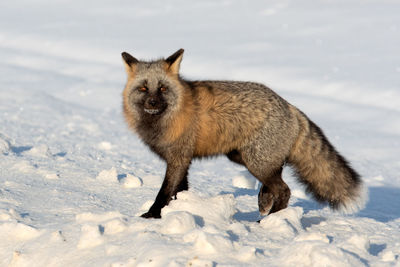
[
  {"x": 163, "y": 89},
  {"x": 142, "y": 89}
]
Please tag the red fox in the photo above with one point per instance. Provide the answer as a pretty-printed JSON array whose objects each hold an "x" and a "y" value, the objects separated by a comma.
[{"x": 249, "y": 123}]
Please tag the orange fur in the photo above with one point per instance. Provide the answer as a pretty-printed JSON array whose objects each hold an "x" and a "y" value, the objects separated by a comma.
[
  {"x": 181, "y": 121},
  {"x": 125, "y": 99},
  {"x": 217, "y": 132}
]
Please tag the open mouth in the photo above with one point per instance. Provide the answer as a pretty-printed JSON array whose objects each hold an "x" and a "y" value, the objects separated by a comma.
[{"x": 151, "y": 111}]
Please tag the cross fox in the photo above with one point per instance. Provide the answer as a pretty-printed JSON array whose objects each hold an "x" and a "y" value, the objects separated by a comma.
[{"x": 181, "y": 120}]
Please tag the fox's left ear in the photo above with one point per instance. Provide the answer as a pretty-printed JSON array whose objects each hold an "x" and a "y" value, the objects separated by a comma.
[
  {"x": 174, "y": 61},
  {"x": 130, "y": 63}
]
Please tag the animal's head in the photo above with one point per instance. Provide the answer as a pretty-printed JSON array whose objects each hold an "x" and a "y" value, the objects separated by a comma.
[{"x": 153, "y": 87}]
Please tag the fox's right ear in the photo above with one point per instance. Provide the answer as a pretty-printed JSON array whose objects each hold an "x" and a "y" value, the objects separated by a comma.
[
  {"x": 130, "y": 62},
  {"x": 174, "y": 61}
]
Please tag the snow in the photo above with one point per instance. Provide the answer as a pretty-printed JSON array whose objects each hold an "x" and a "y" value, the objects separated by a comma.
[
  {"x": 74, "y": 179},
  {"x": 244, "y": 180},
  {"x": 131, "y": 181}
]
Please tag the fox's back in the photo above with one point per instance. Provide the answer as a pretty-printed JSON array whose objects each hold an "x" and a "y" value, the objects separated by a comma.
[
  {"x": 240, "y": 98},
  {"x": 232, "y": 113}
]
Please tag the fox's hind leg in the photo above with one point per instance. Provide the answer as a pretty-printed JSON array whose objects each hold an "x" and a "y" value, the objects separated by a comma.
[
  {"x": 267, "y": 165},
  {"x": 274, "y": 194}
]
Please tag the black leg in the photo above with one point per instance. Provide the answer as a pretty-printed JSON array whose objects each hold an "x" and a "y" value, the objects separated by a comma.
[
  {"x": 183, "y": 185},
  {"x": 175, "y": 180}
]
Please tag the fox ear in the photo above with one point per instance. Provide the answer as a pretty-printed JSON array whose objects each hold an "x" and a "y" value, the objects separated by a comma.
[
  {"x": 130, "y": 62},
  {"x": 174, "y": 61}
]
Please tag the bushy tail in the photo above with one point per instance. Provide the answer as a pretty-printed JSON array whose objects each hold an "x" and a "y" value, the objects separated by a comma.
[{"x": 324, "y": 172}]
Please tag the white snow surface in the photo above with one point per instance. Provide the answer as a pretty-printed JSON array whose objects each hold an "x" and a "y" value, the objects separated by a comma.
[{"x": 74, "y": 179}]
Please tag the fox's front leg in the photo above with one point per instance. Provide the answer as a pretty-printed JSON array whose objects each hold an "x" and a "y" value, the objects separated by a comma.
[{"x": 175, "y": 181}]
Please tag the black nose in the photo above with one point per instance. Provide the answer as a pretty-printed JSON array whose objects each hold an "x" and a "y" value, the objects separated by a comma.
[{"x": 152, "y": 102}]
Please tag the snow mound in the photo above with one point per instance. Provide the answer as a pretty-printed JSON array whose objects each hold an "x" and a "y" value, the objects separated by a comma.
[
  {"x": 285, "y": 222},
  {"x": 357, "y": 242},
  {"x": 178, "y": 222},
  {"x": 131, "y": 181},
  {"x": 115, "y": 226},
  {"x": 97, "y": 224},
  {"x": 244, "y": 180},
  {"x": 105, "y": 145},
  {"x": 211, "y": 243},
  {"x": 17, "y": 231},
  {"x": 213, "y": 210}
]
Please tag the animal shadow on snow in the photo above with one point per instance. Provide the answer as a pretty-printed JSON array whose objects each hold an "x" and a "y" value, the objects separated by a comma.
[
  {"x": 251, "y": 216},
  {"x": 383, "y": 204},
  {"x": 254, "y": 216}
]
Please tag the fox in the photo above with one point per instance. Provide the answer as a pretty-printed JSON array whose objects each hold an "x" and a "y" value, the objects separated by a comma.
[{"x": 181, "y": 120}]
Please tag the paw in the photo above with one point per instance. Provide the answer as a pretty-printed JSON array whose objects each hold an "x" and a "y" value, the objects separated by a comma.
[
  {"x": 273, "y": 198},
  {"x": 265, "y": 204},
  {"x": 150, "y": 214},
  {"x": 282, "y": 200},
  {"x": 265, "y": 200}
]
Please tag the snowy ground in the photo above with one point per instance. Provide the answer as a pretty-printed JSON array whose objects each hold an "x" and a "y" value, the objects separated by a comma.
[{"x": 73, "y": 179}]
